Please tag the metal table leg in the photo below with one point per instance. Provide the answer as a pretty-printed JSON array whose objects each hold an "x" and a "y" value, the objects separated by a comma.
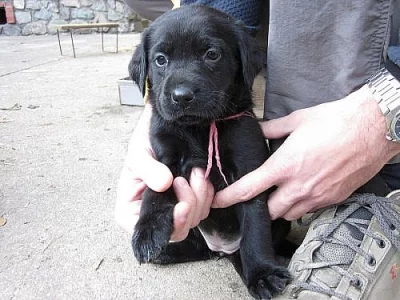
[
  {"x": 102, "y": 40},
  {"x": 72, "y": 41},
  {"x": 59, "y": 43},
  {"x": 117, "y": 41}
]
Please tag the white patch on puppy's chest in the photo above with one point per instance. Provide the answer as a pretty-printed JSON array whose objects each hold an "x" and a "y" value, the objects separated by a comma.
[{"x": 218, "y": 244}]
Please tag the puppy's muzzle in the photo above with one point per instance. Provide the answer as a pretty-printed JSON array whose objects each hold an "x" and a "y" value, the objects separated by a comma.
[{"x": 182, "y": 96}]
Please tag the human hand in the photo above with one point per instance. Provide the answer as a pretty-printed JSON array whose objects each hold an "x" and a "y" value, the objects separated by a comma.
[
  {"x": 138, "y": 174},
  {"x": 195, "y": 198},
  {"x": 331, "y": 150}
]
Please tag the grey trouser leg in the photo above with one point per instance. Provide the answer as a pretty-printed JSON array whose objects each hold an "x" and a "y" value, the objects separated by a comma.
[{"x": 149, "y": 9}]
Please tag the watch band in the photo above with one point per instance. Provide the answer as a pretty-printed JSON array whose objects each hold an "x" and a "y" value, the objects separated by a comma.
[{"x": 386, "y": 90}]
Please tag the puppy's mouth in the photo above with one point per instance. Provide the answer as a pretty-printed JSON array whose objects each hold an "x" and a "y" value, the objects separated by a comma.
[
  {"x": 184, "y": 118},
  {"x": 188, "y": 120},
  {"x": 182, "y": 115}
]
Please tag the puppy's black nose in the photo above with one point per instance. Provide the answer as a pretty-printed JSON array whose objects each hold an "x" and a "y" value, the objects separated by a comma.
[{"x": 182, "y": 95}]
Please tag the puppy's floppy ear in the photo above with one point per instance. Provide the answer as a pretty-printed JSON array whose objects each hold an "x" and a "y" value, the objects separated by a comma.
[
  {"x": 138, "y": 65},
  {"x": 251, "y": 55}
]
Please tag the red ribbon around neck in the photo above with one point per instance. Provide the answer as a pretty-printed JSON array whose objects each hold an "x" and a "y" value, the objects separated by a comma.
[{"x": 213, "y": 144}]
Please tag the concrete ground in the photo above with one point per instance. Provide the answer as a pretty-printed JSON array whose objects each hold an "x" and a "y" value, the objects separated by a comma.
[{"x": 63, "y": 139}]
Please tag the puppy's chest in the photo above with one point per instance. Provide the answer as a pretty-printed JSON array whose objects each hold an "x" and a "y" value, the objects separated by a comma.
[
  {"x": 196, "y": 149},
  {"x": 203, "y": 152}
]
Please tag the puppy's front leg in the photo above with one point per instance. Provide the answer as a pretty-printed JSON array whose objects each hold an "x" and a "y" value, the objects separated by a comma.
[
  {"x": 262, "y": 275},
  {"x": 155, "y": 225}
]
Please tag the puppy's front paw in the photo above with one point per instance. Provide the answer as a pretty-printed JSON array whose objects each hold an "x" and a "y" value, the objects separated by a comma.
[
  {"x": 152, "y": 234},
  {"x": 268, "y": 281}
]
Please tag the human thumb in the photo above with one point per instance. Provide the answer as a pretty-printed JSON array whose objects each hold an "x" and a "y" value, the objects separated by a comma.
[{"x": 155, "y": 175}]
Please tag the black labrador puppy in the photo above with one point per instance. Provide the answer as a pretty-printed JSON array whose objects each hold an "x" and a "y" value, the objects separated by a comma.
[{"x": 198, "y": 66}]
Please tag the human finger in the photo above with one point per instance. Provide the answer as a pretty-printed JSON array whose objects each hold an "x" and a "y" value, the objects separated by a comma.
[
  {"x": 154, "y": 174},
  {"x": 126, "y": 216},
  {"x": 129, "y": 186},
  {"x": 185, "y": 210},
  {"x": 128, "y": 200},
  {"x": 204, "y": 192},
  {"x": 281, "y": 127},
  {"x": 298, "y": 210},
  {"x": 280, "y": 202},
  {"x": 248, "y": 186},
  {"x": 301, "y": 208},
  {"x": 181, "y": 215}
]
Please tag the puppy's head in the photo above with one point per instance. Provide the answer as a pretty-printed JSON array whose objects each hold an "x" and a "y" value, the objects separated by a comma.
[{"x": 199, "y": 65}]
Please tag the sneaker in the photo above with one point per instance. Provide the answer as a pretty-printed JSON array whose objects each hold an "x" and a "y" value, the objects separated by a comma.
[{"x": 350, "y": 252}]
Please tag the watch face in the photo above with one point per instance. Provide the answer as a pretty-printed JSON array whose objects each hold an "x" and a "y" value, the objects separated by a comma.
[{"x": 396, "y": 127}]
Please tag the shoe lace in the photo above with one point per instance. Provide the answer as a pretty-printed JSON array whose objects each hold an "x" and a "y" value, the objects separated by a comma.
[{"x": 388, "y": 220}]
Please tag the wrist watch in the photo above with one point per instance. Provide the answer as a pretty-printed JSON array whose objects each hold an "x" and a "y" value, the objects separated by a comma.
[{"x": 386, "y": 91}]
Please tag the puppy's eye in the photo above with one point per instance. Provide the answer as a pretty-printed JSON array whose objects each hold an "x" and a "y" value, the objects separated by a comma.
[
  {"x": 212, "y": 54},
  {"x": 161, "y": 60}
]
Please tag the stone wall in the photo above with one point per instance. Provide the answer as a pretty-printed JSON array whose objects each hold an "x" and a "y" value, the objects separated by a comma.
[{"x": 40, "y": 16}]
